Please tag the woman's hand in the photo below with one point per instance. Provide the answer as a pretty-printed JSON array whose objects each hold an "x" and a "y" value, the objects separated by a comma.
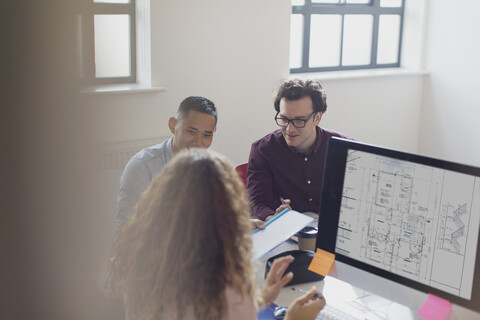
[
  {"x": 276, "y": 280},
  {"x": 306, "y": 307}
]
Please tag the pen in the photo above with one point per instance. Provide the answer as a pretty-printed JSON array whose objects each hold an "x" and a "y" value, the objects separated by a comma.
[
  {"x": 317, "y": 296},
  {"x": 275, "y": 217}
]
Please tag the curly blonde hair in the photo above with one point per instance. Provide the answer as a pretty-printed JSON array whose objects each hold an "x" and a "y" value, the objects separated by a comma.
[{"x": 188, "y": 239}]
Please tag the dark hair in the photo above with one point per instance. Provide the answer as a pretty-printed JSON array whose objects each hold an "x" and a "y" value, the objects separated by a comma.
[
  {"x": 199, "y": 104},
  {"x": 296, "y": 89}
]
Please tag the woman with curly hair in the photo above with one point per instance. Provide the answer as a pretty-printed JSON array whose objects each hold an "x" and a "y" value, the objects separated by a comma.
[{"x": 186, "y": 253}]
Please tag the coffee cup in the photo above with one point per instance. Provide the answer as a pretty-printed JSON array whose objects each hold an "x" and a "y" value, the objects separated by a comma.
[{"x": 307, "y": 238}]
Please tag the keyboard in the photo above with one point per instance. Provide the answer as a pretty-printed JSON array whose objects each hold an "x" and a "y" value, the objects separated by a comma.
[{"x": 331, "y": 313}]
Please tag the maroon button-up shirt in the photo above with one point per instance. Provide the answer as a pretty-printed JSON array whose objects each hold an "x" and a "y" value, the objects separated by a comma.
[{"x": 276, "y": 170}]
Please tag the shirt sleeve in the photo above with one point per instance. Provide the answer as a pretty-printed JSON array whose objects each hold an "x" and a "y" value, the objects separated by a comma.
[
  {"x": 135, "y": 179},
  {"x": 260, "y": 185}
]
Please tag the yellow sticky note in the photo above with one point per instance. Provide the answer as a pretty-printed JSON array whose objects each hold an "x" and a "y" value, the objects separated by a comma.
[{"x": 321, "y": 262}]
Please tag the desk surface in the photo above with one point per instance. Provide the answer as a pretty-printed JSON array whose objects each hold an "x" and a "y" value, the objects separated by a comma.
[{"x": 375, "y": 297}]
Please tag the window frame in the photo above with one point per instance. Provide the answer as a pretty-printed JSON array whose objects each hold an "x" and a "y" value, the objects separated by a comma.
[
  {"x": 342, "y": 8},
  {"x": 89, "y": 42}
]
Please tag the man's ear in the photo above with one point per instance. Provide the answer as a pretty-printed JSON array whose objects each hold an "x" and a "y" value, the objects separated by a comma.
[
  {"x": 318, "y": 117},
  {"x": 171, "y": 124}
]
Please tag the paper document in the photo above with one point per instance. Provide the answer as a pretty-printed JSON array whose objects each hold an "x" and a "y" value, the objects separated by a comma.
[{"x": 278, "y": 231}]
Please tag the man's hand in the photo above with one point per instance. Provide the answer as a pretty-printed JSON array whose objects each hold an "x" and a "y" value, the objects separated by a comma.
[
  {"x": 276, "y": 280},
  {"x": 257, "y": 223},
  {"x": 285, "y": 204}
]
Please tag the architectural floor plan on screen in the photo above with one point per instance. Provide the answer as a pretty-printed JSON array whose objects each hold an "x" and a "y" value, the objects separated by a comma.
[{"x": 410, "y": 219}]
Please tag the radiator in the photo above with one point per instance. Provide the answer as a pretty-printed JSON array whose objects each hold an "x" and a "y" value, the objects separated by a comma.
[{"x": 114, "y": 156}]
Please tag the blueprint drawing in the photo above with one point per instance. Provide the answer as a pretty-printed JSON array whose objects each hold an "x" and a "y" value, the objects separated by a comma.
[{"x": 414, "y": 220}]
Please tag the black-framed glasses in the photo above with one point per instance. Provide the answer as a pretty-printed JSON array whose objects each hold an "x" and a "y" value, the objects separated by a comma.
[{"x": 297, "y": 123}]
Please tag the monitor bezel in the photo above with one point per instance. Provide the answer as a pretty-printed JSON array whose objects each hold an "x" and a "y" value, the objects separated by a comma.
[{"x": 331, "y": 197}]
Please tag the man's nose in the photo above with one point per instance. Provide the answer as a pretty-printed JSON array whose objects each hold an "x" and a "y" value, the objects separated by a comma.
[
  {"x": 290, "y": 126},
  {"x": 198, "y": 142}
]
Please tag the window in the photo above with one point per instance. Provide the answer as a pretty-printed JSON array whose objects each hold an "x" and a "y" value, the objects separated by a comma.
[
  {"x": 109, "y": 42},
  {"x": 327, "y": 35}
]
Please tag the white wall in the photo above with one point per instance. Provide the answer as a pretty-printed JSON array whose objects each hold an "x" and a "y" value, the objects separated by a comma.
[
  {"x": 379, "y": 110},
  {"x": 451, "y": 105},
  {"x": 236, "y": 53},
  {"x": 233, "y": 52}
]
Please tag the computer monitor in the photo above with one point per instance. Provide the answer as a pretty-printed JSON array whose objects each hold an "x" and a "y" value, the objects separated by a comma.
[{"x": 408, "y": 218}]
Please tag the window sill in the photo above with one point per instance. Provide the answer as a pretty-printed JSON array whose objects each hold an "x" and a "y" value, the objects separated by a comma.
[
  {"x": 359, "y": 74},
  {"x": 127, "y": 88}
]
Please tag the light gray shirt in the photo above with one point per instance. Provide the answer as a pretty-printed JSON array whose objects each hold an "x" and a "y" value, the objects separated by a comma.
[{"x": 140, "y": 170}]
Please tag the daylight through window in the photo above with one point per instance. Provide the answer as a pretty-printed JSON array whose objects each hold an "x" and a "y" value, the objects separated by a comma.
[
  {"x": 327, "y": 35},
  {"x": 110, "y": 48}
]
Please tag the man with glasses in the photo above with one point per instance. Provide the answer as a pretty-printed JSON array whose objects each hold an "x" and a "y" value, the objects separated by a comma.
[{"x": 285, "y": 168}]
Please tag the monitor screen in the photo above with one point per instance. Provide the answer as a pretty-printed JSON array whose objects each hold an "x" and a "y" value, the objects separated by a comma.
[{"x": 411, "y": 219}]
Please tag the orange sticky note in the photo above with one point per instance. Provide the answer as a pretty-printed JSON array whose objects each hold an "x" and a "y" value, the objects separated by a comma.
[{"x": 321, "y": 262}]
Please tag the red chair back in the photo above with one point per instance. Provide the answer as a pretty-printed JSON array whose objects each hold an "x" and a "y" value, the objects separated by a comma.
[{"x": 242, "y": 172}]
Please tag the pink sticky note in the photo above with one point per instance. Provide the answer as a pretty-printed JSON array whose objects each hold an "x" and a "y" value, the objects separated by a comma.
[{"x": 434, "y": 308}]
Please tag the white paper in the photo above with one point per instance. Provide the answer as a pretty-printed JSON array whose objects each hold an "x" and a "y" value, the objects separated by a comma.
[{"x": 278, "y": 231}]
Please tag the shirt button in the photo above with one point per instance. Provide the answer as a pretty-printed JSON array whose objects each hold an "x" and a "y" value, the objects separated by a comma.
[
  {"x": 306, "y": 159},
  {"x": 310, "y": 199},
  {"x": 309, "y": 181}
]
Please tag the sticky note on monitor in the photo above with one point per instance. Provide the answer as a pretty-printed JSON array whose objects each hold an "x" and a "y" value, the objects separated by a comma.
[
  {"x": 434, "y": 308},
  {"x": 322, "y": 262}
]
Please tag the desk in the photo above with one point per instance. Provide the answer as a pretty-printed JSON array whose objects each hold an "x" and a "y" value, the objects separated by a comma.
[{"x": 379, "y": 298}]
